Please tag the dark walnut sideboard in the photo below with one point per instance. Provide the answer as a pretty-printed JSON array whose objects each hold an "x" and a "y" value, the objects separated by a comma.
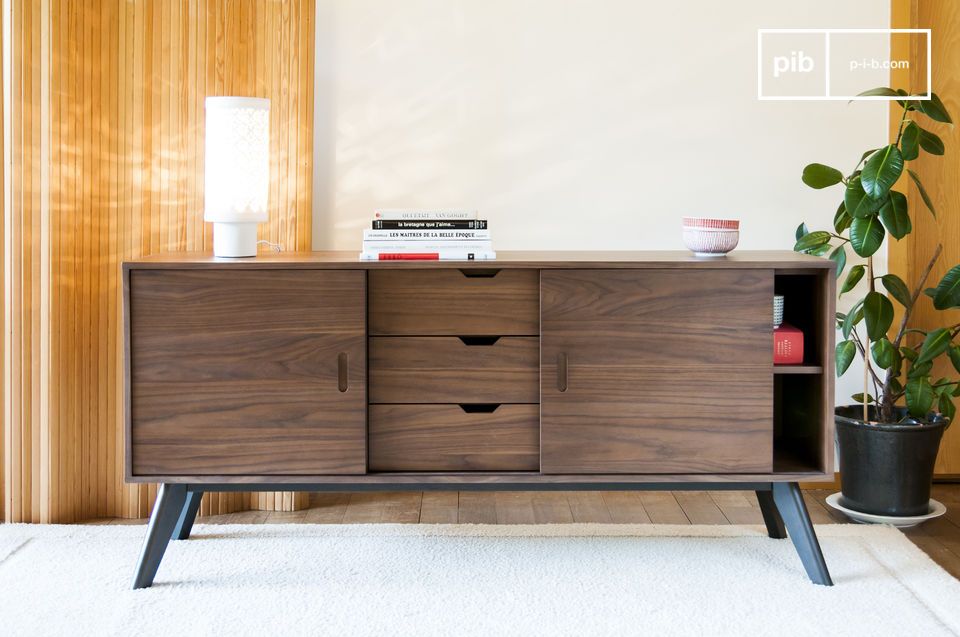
[{"x": 573, "y": 370}]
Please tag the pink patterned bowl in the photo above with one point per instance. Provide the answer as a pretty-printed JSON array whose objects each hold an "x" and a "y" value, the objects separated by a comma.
[{"x": 710, "y": 242}]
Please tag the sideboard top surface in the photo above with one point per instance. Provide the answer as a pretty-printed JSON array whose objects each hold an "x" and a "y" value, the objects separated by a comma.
[{"x": 778, "y": 259}]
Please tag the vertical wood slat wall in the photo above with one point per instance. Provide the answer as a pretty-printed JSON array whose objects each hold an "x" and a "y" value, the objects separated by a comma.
[
  {"x": 104, "y": 105},
  {"x": 908, "y": 257},
  {"x": 4, "y": 162}
]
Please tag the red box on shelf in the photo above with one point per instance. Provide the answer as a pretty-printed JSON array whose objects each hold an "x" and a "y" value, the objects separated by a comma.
[{"x": 787, "y": 345}]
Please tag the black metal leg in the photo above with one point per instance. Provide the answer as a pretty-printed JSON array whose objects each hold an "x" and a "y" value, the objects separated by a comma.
[
  {"x": 189, "y": 513},
  {"x": 793, "y": 511},
  {"x": 770, "y": 515},
  {"x": 170, "y": 503}
]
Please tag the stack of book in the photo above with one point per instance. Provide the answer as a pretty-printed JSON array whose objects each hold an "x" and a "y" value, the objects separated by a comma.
[{"x": 427, "y": 235}]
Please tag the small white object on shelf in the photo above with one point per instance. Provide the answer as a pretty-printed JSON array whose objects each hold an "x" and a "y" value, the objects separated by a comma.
[
  {"x": 777, "y": 310},
  {"x": 237, "y": 172}
]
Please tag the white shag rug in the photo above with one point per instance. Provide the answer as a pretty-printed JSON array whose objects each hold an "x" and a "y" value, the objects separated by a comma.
[{"x": 576, "y": 579}]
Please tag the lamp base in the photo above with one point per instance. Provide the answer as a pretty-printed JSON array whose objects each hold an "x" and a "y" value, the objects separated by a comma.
[{"x": 234, "y": 240}]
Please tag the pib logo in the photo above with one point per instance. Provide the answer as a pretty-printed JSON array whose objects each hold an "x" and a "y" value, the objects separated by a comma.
[{"x": 795, "y": 62}]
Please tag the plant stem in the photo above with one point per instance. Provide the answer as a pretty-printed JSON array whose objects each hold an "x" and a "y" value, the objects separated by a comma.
[
  {"x": 946, "y": 384},
  {"x": 867, "y": 369},
  {"x": 866, "y": 364},
  {"x": 907, "y": 311},
  {"x": 886, "y": 399},
  {"x": 863, "y": 354},
  {"x": 903, "y": 120}
]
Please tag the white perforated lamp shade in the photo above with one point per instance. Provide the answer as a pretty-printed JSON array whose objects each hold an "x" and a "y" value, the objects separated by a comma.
[{"x": 237, "y": 172}]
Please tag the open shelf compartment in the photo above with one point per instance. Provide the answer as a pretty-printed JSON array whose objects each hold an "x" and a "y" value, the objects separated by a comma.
[
  {"x": 806, "y": 301},
  {"x": 798, "y": 427},
  {"x": 803, "y": 438}
]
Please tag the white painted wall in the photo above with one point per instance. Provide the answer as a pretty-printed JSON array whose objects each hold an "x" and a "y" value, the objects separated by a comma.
[{"x": 575, "y": 124}]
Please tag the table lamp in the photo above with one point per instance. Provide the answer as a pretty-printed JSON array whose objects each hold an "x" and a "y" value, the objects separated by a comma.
[{"x": 237, "y": 172}]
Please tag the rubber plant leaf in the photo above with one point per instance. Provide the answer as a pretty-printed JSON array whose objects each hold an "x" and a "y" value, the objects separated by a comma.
[
  {"x": 878, "y": 314},
  {"x": 894, "y": 215},
  {"x": 846, "y": 350},
  {"x": 820, "y": 176},
  {"x": 853, "y": 277},
  {"x": 936, "y": 343},
  {"x": 947, "y": 293},
  {"x": 919, "y": 396},
  {"x": 857, "y": 202},
  {"x": 897, "y": 288},
  {"x": 866, "y": 235}
]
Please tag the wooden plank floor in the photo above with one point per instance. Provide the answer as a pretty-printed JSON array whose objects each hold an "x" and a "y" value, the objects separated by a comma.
[{"x": 939, "y": 538}]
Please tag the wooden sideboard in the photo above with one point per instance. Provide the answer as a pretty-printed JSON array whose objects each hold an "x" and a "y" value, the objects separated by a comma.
[{"x": 573, "y": 370}]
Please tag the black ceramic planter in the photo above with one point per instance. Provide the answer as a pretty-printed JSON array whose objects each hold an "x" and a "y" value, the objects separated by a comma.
[{"x": 887, "y": 469}]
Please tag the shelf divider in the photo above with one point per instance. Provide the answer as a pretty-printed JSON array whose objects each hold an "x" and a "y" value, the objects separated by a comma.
[{"x": 797, "y": 369}]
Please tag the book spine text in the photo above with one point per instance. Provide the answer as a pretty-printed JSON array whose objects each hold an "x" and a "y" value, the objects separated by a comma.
[
  {"x": 424, "y": 215},
  {"x": 474, "y": 224},
  {"x": 426, "y": 235},
  {"x": 434, "y": 255}
]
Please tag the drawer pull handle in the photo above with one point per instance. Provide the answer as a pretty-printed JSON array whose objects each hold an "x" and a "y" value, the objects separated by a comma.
[
  {"x": 480, "y": 273},
  {"x": 562, "y": 372},
  {"x": 479, "y": 408},
  {"x": 342, "y": 381},
  {"x": 479, "y": 340}
]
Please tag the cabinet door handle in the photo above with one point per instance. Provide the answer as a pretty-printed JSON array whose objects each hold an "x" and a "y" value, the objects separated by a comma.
[
  {"x": 562, "y": 372},
  {"x": 342, "y": 372}
]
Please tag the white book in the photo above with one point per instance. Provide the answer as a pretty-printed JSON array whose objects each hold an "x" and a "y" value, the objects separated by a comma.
[
  {"x": 426, "y": 235},
  {"x": 441, "y": 255},
  {"x": 424, "y": 214},
  {"x": 426, "y": 246}
]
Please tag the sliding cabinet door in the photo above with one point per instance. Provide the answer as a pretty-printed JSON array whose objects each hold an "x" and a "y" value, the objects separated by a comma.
[
  {"x": 238, "y": 371},
  {"x": 656, "y": 371}
]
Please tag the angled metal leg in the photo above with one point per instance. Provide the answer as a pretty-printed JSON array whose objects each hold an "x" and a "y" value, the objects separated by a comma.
[
  {"x": 170, "y": 503},
  {"x": 189, "y": 513},
  {"x": 793, "y": 511},
  {"x": 770, "y": 515}
]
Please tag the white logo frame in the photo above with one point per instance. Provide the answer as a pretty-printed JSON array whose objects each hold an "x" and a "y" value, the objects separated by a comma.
[{"x": 826, "y": 89}]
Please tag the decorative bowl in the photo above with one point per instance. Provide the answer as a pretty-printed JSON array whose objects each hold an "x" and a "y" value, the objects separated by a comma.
[{"x": 710, "y": 237}]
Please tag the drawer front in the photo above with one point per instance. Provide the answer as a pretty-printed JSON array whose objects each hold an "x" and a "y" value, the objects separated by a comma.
[
  {"x": 446, "y": 438},
  {"x": 446, "y": 369},
  {"x": 448, "y": 302}
]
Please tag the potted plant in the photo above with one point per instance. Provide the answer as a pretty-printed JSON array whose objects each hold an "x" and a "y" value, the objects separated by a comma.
[{"x": 890, "y": 438}]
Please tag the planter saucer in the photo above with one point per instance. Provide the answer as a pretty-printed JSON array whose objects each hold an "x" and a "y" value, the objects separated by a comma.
[{"x": 900, "y": 521}]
